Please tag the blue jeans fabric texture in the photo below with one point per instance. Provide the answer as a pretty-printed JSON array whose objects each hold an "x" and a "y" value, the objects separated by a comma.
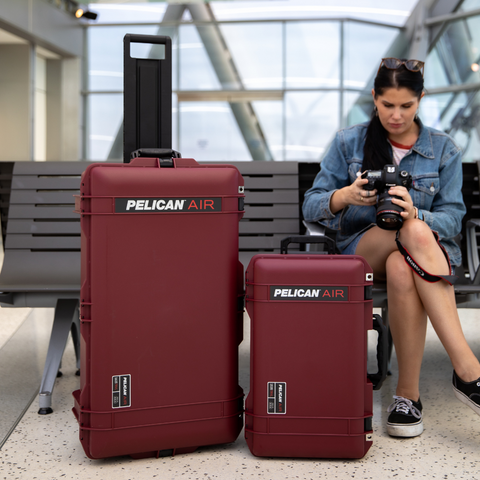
[{"x": 435, "y": 163}]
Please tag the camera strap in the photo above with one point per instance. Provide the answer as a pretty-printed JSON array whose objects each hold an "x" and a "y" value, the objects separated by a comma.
[{"x": 451, "y": 279}]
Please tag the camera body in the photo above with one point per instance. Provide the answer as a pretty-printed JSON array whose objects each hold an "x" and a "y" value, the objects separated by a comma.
[{"x": 388, "y": 214}]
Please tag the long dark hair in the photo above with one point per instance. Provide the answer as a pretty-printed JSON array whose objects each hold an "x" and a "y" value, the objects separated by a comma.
[{"x": 376, "y": 152}]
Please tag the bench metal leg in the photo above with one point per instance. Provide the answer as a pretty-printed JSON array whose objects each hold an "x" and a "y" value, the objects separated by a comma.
[{"x": 66, "y": 319}]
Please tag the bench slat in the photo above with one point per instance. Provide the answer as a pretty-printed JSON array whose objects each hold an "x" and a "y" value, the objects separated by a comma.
[
  {"x": 33, "y": 182},
  {"x": 276, "y": 226},
  {"x": 267, "y": 168},
  {"x": 277, "y": 211},
  {"x": 261, "y": 242},
  {"x": 51, "y": 270},
  {"x": 43, "y": 242},
  {"x": 29, "y": 211},
  {"x": 277, "y": 181},
  {"x": 52, "y": 168},
  {"x": 275, "y": 196},
  {"x": 30, "y": 226},
  {"x": 33, "y": 197}
]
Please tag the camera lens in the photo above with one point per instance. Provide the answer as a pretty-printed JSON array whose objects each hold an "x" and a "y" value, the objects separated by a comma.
[{"x": 388, "y": 214}]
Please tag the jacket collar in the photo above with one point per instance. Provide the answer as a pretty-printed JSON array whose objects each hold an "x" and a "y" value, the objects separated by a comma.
[{"x": 424, "y": 145}]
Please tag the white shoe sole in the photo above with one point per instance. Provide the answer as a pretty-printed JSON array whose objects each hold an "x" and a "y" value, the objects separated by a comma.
[
  {"x": 466, "y": 400},
  {"x": 402, "y": 430}
]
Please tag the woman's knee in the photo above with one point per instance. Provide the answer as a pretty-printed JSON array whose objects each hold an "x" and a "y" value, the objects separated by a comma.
[
  {"x": 417, "y": 233},
  {"x": 399, "y": 274}
]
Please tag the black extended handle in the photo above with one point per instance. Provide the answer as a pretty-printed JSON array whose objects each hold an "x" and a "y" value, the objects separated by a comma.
[
  {"x": 382, "y": 353},
  {"x": 147, "y": 98},
  {"x": 155, "y": 39},
  {"x": 308, "y": 239}
]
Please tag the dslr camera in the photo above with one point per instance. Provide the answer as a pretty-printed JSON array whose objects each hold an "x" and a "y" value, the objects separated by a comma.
[{"x": 388, "y": 214}]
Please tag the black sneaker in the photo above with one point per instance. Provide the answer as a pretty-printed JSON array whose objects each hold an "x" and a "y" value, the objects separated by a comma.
[
  {"x": 405, "y": 419},
  {"x": 467, "y": 392}
]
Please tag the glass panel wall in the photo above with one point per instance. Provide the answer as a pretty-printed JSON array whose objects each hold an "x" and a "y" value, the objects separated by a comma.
[
  {"x": 309, "y": 126},
  {"x": 313, "y": 55},
  {"x": 310, "y": 70},
  {"x": 216, "y": 137},
  {"x": 362, "y": 54},
  {"x": 452, "y": 81},
  {"x": 257, "y": 52}
]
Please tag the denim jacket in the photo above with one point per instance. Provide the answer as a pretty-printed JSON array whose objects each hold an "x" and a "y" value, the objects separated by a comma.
[{"x": 435, "y": 165}]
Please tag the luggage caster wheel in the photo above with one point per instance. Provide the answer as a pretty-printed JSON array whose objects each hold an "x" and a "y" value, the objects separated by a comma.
[
  {"x": 45, "y": 411},
  {"x": 77, "y": 373},
  {"x": 59, "y": 374}
]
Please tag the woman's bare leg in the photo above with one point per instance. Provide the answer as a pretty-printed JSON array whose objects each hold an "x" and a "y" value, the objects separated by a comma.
[
  {"x": 408, "y": 320},
  {"x": 439, "y": 298},
  {"x": 407, "y": 308},
  {"x": 408, "y": 324}
]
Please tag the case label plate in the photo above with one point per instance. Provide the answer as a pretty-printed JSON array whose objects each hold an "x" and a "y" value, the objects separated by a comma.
[
  {"x": 121, "y": 391},
  {"x": 309, "y": 293},
  {"x": 276, "y": 398},
  {"x": 161, "y": 205}
]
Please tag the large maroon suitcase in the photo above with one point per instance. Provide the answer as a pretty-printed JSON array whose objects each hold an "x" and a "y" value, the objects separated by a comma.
[
  {"x": 309, "y": 391},
  {"x": 160, "y": 316}
]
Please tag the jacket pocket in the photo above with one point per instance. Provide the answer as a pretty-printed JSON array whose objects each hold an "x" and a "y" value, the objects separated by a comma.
[
  {"x": 428, "y": 183},
  {"x": 425, "y": 187}
]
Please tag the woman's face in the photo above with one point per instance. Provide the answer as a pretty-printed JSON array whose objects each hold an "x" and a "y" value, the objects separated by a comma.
[{"x": 396, "y": 110}]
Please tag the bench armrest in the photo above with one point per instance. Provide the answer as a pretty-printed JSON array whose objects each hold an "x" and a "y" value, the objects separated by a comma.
[
  {"x": 472, "y": 250},
  {"x": 314, "y": 228}
]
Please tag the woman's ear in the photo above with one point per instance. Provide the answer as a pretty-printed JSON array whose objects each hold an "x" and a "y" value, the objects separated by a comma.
[{"x": 374, "y": 96}]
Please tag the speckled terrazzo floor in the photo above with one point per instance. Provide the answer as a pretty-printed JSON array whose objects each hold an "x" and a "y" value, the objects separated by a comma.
[{"x": 48, "y": 447}]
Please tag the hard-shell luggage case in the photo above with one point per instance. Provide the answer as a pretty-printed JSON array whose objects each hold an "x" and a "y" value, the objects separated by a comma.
[
  {"x": 161, "y": 304},
  {"x": 159, "y": 308},
  {"x": 310, "y": 395}
]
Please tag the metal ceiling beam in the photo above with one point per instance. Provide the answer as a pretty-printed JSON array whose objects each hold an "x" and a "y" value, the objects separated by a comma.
[
  {"x": 452, "y": 17},
  {"x": 231, "y": 96},
  {"x": 228, "y": 76},
  {"x": 230, "y": 79},
  {"x": 415, "y": 40}
]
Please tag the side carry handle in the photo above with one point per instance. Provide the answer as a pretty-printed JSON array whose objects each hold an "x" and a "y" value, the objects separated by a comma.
[
  {"x": 382, "y": 353},
  {"x": 308, "y": 239},
  {"x": 165, "y": 155}
]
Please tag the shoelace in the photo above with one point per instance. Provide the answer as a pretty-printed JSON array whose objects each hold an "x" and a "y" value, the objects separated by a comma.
[{"x": 404, "y": 405}]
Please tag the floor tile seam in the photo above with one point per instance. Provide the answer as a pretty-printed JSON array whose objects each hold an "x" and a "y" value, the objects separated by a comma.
[
  {"x": 17, "y": 328},
  {"x": 19, "y": 419}
]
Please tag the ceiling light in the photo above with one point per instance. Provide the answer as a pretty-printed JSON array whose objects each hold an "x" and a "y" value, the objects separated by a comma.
[
  {"x": 82, "y": 12},
  {"x": 475, "y": 67}
]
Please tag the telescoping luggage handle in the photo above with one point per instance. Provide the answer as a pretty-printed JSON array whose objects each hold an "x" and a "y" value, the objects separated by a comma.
[
  {"x": 147, "y": 98},
  {"x": 330, "y": 243}
]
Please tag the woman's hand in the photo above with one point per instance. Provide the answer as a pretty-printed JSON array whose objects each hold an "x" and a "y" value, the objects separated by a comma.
[
  {"x": 360, "y": 196},
  {"x": 405, "y": 201},
  {"x": 354, "y": 194}
]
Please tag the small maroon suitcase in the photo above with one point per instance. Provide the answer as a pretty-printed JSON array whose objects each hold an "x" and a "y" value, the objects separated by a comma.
[
  {"x": 160, "y": 320},
  {"x": 309, "y": 392}
]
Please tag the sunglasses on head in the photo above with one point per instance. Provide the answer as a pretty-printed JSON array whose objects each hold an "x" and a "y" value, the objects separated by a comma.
[{"x": 394, "y": 63}]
